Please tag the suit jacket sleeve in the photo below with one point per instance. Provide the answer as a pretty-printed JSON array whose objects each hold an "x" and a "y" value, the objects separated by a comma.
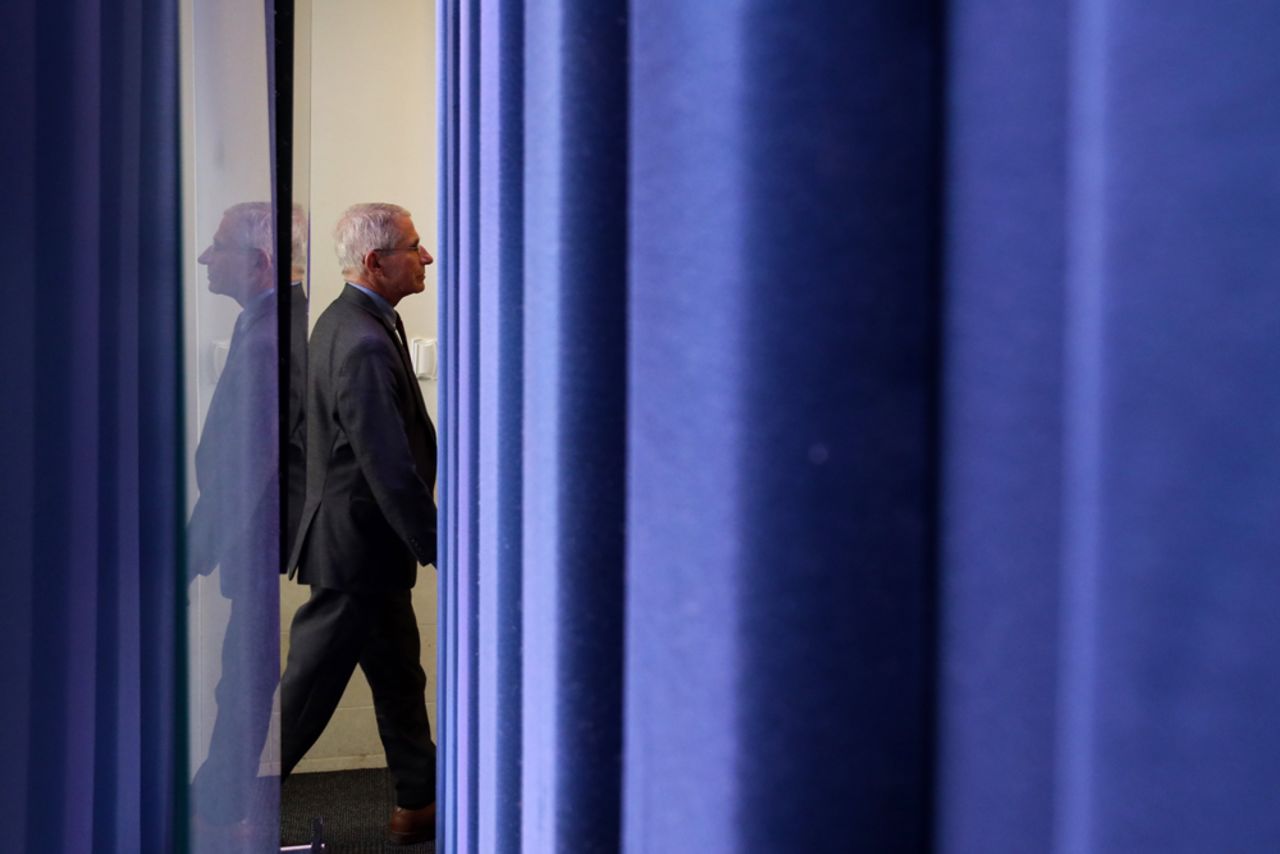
[{"x": 366, "y": 400}]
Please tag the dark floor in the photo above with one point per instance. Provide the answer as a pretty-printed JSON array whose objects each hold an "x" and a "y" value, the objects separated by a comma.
[{"x": 355, "y": 806}]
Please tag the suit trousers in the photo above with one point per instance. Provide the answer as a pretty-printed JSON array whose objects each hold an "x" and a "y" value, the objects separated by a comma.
[
  {"x": 227, "y": 785},
  {"x": 331, "y": 633}
]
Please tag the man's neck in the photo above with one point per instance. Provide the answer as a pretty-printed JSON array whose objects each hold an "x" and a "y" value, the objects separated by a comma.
[
  {"x": 249, "y": 298},
  {"x": 391, "y": 301}
]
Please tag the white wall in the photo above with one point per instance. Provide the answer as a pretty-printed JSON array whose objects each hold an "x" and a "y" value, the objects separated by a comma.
[
  {"x": 373, "y": 130},
  {"x": 373, "y": 139}
]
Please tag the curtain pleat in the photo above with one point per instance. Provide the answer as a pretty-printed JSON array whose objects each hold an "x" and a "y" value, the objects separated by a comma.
[
  {"x": 1003, "y": 424},
  {"x": 575, "y": 186},
  {"x": 501, "y": 319},
  {"x": 780, "y": 503},
  {"x": 1107, "y": 678},
  {"x": 161, "y": 459},
  {"x": 17, "y": 426},
  {"x": 1169, "y": 690},
  {"x": 449, "y": 68}
]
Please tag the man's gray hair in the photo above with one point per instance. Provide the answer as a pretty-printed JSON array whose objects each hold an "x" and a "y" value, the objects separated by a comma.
[
  {"x": 364, "y": 228},
  {"x": 251, "y": 226}
]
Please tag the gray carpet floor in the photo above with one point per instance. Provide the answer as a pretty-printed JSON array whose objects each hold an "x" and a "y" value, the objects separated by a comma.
[{"x": 355, "y": 806}]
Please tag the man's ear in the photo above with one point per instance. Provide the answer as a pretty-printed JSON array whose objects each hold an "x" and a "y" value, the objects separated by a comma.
[
  {"x": 372, "y": 261},
  {"x": 260, "y": 260}
]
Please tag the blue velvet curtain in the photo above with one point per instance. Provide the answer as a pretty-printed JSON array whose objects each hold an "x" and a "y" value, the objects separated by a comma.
[
  {"x": 862, "y": 426},
  {"x": 90, "y": 429}
]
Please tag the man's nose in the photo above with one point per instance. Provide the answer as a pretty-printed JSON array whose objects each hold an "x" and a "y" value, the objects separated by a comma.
[
  {"x": 425, "y": 255},
  {"x": 204, "y": 256}
]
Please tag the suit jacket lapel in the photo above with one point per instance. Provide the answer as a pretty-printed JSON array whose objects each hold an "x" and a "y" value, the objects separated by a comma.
[{"x": 401, "y": 347}]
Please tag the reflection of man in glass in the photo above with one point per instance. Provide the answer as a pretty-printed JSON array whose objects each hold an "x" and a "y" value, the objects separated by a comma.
[
  {"x": 369, "y": 517},
  {"x": 235, "y": 525}
]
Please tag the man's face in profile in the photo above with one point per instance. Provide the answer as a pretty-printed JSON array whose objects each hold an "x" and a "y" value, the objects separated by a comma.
[
  {"x": 233, "y": 268},
  {"x": 404, "y": 266}
]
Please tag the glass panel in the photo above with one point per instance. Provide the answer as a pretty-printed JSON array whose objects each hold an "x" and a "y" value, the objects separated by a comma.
[
  {"x": 232, "y": 409},
  {"x": 241, "y": 512}
]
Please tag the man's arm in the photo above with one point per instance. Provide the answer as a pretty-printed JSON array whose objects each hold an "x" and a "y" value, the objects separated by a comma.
[
  {"x": 237, "y": 461},
  {"x": 365, "y": 397}
]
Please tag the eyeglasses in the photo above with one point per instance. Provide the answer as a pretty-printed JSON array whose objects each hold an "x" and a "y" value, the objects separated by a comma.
[
  {"x": 391, "y": 249},
  {"x": 223, "y": 247}
]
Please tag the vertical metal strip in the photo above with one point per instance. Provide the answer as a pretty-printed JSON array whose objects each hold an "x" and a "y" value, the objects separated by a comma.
[{"x": 281, "y": 112}]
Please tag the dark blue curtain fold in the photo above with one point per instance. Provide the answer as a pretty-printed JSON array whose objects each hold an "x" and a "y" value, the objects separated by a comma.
[
  {"x": 1111, "y": 429},
  {"x": 1003, "y": 427},
  {"x": 781, "y": 457},
  {"x": 91, "y": 430},
  {"x": 1170, "y": 692},
  {"x": 447, "y": 767},
  {"x": 574, "y": 422},
  {"x": 17, "y": 426},
  {"x": 501, "y": 403}
]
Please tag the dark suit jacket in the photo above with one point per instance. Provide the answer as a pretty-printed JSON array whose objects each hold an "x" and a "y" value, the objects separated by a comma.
[
  {"x": 236, "y": 521},
  {"x": 296, "y": 462},
  {"x": 369, "y": 517}
]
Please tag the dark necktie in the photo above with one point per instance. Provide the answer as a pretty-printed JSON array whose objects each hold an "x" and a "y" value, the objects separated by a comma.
[{"x": 403, "y": 340}]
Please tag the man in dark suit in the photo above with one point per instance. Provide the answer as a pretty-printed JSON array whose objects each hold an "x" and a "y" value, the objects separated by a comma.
[
  {"x": 369, "y": 518},
  {"x": 235, "y": 525}
]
